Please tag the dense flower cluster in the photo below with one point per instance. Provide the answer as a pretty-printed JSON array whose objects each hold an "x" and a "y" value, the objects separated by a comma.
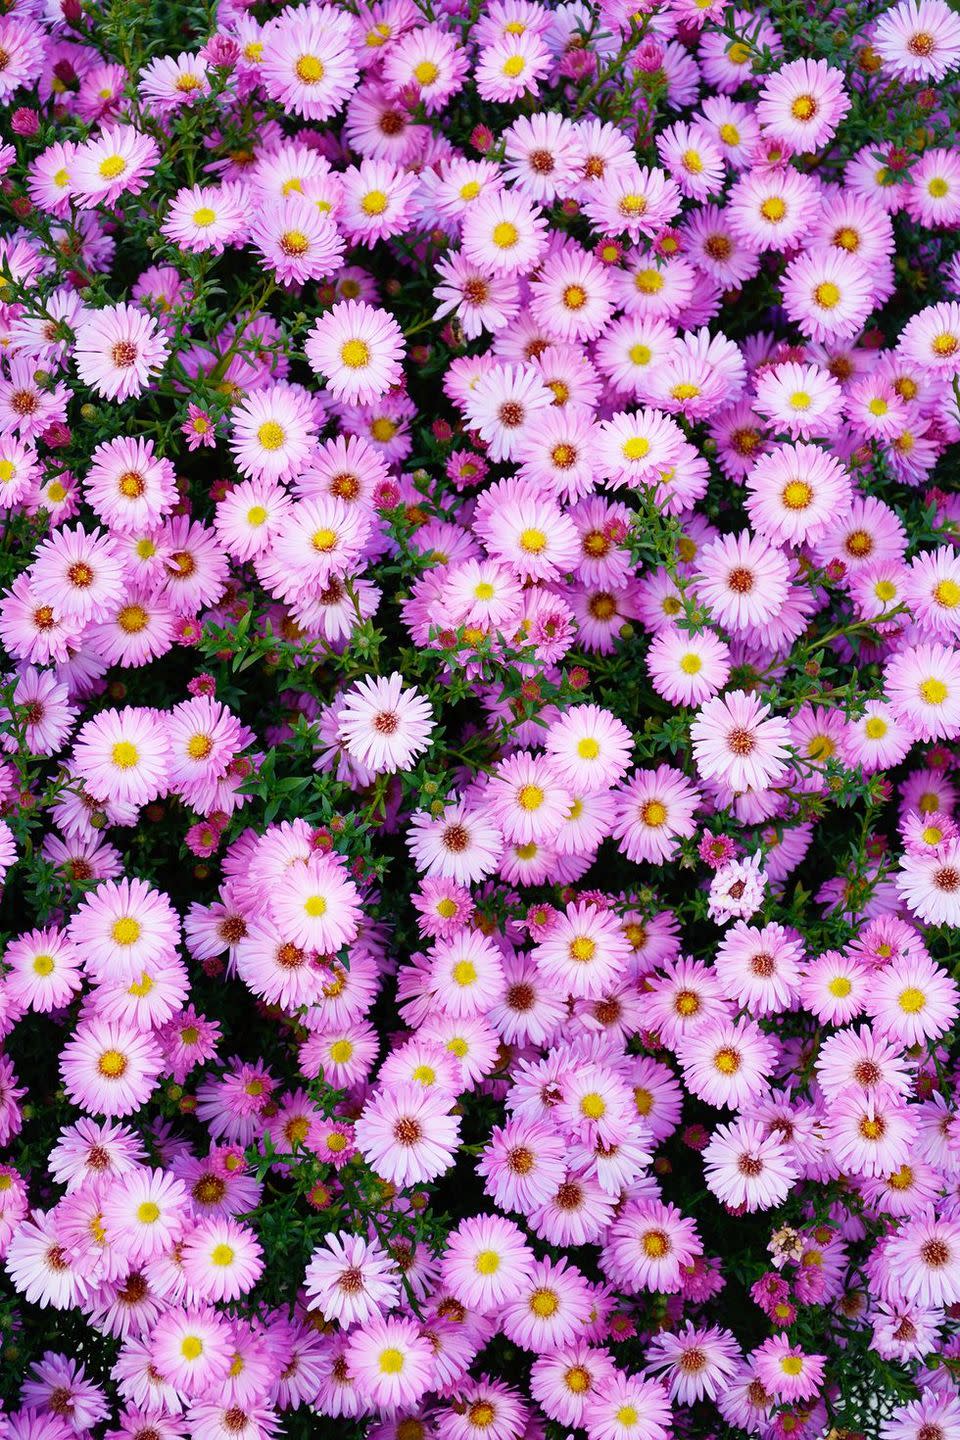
[{"x": 480, "y": 608}]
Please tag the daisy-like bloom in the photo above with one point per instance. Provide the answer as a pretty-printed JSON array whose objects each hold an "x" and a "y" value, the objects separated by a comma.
[
  {"x": 129, "y": 486},
  {"x": 500, "y": 407},
  {"x": 737, "y": 890},
  {"x": 696, "y": 1363},
  {"x": 869, "y": 1134},
  {"x": 351, "y": 1280},
  {"x": 742, "y": 580},
  {"x": 562, "y": 1382},
  {"x": 913, "y": 1000},
  {"x": 171, "y": 81},
  {"x": 316, "y": 541},
  {"x": 745, "y": 1167},
  {"x": 24, "y": 46},
  {"x": 466, "y": 974},
  {"x": 627, "y": 1407},
  {"x": 828, "y": 293},
  {"x": 117, "y": 160},
  {"x": 932, "y": 590},
  {"x": 205, "y": 218},
  {"x": 144, "y": 1213},
  {"x": 122, "y": 928},
  {"x": 918, "y": 39},
  {"x": 511, "y": 67},
  {"x": 802, "y": 103},
  {"x": 655, "y": 809},
  {"x": 273, "y": 431},
  {"x": 526, "y": 799},
  {"x": 79, "y": 576},
  {"x": 118, "y": 349},
  {"x": 632, "y": 200},
  {"x": 221, "y": 1260},
  {"x": 124, "y": 755},
  {"x": 316, "y": 906},
  {"x": 727, "y": 1063},
  {"x": 428, "y": 62},
  {"x": 584, "y": 952},
  {"x": 384, "y": 725},
  {"x": 772, "y": 210},
  {"x": 934, "y": 1410},
  {"x": 796, "y": 492},
  {"x": 552, "y": 1305},
  {"x": 693, "y": 158},
  {"x": 923, "y": 1258},
  {"x": 504, "y": 233},
  {"x": 923, "y": 686},
  {"x": 759, "y": 968},
  {"x": 43, "y": 970},
  {"x": 298, "y": 241},
  {"x": 192, "y": 1349},
  {"x": 479, "y": 300},
  {"x": 572, "y": 295},
  {"x": 634, "y": 448},
  {"x": 738, "y": 741},
  {"x": 407, "y": 1134},
  {"x": 929, "y": 883},
  {"x": 358, "y": 349},
  {"x": 109, "y": 1069},
  {"x": 589, "y": 748},
  {"x": 391, "y": 1363},
  {"x": 458, "y": 844},
  {"x": 308, "y": 62},
  {"x": 932, "y": 338},
  {"x": 487, "y": 1263},
  {"x": 786, "y": 1371},
  {"x": 860, "y": 1060},
  {"x": 803, "y": 400},
  {"x": 41, "y": 1267},
  {"x": 687, "y": 667}
]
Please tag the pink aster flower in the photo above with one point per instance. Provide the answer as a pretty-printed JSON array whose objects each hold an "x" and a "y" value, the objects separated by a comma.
[
  {"x": 308, "y": 63},
  {"x": 351, "y": 1280},
  {"x": 932, "y": 338},
  {"x": 918, "y": 39},
  {"x": 589, "y": 748},
  {"x": 736, "y": 740},
  {"x": 747, "y": 1168},
  {"x": 297, "y": 241},
  {"x": 486, "y": 1263},
  {"x": 118, "y": 159},
  {"x": 79, "y": 575},
  {"x": 655, "y": 809},
  {"x": 912, "y": 1000},
  {"x": 129, "y": 486},
  {"x": 696, "y": 1363},
  {"x": 221, "y": 1260},
  {"x": 407, "y": 1134},
  {"x": 109, "y": 1069},
  {"x": 796, "y": 492},
  {"x": 828, "y": 293},
  {"x": 205, "y": 218},
  {"x": 727, "y": 1062},
  {"x": 923, "y": 686},
  {"x": 192, "y": 1350},
  {"x": 391, "y": 1362},
  {"x": 626, "y": 1407},
  {"x": 358, "y": 349},
  {"x": 118, "y": 348},
  {"x": 123, "y": 755},
  {"x": 384, "y": 725},
  {"x": 742, "y": 579},
  {"x": 787, "y": 1372},
  {"x": 273, "y": 432},
  {"x": 802, "y": 103}
]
